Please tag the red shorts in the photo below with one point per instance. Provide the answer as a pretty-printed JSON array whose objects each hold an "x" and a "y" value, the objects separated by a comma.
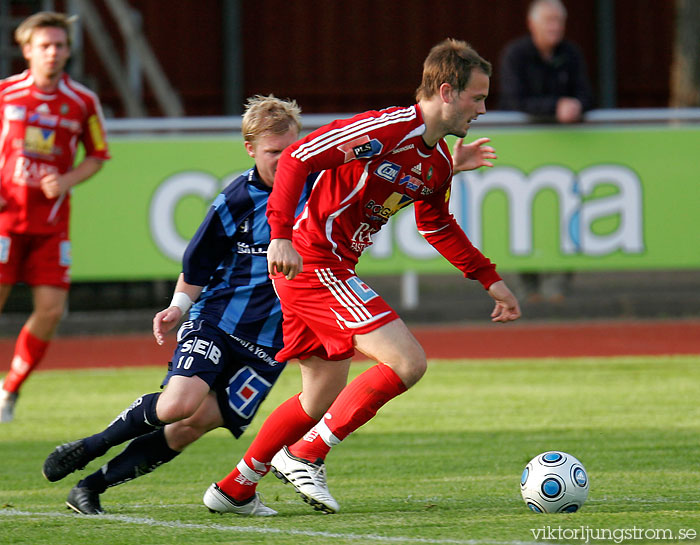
[
  {"x": 323, "y": 309},
  {"x": 37, "y": 260}
]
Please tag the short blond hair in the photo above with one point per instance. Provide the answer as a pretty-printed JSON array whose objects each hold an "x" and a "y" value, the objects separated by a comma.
[
  {"x": 451, "y": 61},
  {"x": 44, "y": 19},
  {"x": 269, "y": 115}
]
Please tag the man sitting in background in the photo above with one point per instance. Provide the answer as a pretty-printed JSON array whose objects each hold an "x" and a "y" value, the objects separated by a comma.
[{"x": 543, "y": 74}]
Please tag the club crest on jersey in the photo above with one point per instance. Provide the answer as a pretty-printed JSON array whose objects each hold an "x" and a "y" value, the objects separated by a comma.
[
  {"x": 388, "y": 171},
  {"x": 361, "y": 148},
  {"x": 410, "y": 182}
]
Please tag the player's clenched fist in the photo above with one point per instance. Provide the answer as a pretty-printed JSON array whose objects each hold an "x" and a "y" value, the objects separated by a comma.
[{"x": 283, "y": 258}]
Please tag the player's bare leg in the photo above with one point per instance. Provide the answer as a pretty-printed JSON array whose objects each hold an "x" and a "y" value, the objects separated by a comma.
[
  {"x": 181, "y": 398},
  {"x": 185, "y": 432},
  {"x": 394, "y": 345},
  {"x": 401, "y": 363},
  {"x": 5, "y": 290},
  {"x": 322, "y": 381},
  {"x": 49, "y": 305}
]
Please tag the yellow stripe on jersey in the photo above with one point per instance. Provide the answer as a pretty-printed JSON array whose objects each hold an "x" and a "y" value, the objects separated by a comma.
[{"x": 95, "y": 128}]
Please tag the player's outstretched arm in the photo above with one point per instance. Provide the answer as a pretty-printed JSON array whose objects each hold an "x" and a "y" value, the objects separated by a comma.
[
  {"x": 283, "y": 258},
  {"x": 507, "y": 308},
  {"x": 473, "y": 155}
]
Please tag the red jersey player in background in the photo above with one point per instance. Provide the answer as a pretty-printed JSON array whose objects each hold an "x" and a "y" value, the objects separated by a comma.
[
  {"x": 371, "y": 166},
  {"x": 44, "y": 114}
]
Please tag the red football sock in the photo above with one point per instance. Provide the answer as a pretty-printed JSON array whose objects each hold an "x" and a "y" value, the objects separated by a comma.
[
  {"x": 356, "y": 404},
  {"x": 29, "y": 350},
  {"x": 286, "y": 424}
]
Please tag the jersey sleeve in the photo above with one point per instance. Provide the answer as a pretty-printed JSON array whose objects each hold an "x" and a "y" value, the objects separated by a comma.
[
  {"x": 442, "y": 231},
  {"x": 211, "y": 243},
  {"x": 362, "y": 137},
  {"x": 290, "y": 180},
  {"x": 94, "y": 135}
]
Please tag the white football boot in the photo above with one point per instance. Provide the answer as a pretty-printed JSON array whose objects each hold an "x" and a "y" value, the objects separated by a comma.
[
  {"x": 309, "y": 479},
  {"x": 8, "y": 400},
  {"x": 219, "y": 501}
]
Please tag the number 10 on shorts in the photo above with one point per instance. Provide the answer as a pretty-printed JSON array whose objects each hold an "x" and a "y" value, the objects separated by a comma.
[{"x": 185, "y": 362}]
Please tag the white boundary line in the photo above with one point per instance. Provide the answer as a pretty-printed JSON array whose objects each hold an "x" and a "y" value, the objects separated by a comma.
[{"x": 365, "y": 538}]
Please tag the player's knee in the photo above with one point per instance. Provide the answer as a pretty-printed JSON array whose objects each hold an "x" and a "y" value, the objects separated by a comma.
[
  {"x": 170, "y": 411},
  {"x": 416, "y": 370},
  {"x": 316, "y": 405},
  {"x": 181, "y": 435},
  {"x": 50, "y": 316},
  {"x": 411, "y": 367}
]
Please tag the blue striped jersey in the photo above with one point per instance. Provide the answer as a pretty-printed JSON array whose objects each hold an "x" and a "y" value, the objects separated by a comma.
[{"x": 228, "y": 256}]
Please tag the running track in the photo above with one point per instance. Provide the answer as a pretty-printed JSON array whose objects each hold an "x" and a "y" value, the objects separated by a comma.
[{"x": 517, "y": 340}]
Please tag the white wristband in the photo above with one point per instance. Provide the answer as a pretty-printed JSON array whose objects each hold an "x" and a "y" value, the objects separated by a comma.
[{"x": 182, "y": 301}]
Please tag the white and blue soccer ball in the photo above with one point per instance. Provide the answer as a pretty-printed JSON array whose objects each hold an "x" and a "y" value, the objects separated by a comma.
[{"x": 554, "y": 482}]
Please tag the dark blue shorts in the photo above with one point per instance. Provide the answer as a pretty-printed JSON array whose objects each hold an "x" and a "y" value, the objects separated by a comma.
[{"x": 241, "y": 373}]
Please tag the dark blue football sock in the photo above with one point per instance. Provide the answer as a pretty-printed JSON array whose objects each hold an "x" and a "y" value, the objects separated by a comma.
[
  {"x": 138, "y": 419},
  {"x": 141, "y": 456}
]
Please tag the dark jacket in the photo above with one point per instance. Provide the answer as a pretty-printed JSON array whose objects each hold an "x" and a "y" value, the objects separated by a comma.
[{"x": 532, "y": 85}]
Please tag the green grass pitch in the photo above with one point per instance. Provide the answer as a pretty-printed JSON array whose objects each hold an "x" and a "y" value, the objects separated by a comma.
[{"x": 440, "y": 464}]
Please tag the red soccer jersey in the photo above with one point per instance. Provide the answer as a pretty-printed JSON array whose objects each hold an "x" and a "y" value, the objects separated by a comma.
[
  {"x": 40, "y": 135},
  {"x": 370, "y": 166}
]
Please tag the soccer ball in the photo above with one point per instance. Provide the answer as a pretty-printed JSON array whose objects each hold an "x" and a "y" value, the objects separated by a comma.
[{"x": 554, "y": 482}]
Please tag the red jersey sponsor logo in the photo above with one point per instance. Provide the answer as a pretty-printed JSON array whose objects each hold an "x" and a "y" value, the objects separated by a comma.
[
  {"x": 13, "y": 112},
  {"x": 362, "y": 237},
  {"x": 29, "y": 173},
  {"x": 38, "y": 141},
  {"x": 45, "y": 120},
  {"x": 410, "y": 182},
  {"x": 348, "y": 147},
  {"x": 403, "y": 148},
  {"x": 361, "y": 148},
  {"x": 394, "y": 203},
  {"x": 388, "y": 171}
]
